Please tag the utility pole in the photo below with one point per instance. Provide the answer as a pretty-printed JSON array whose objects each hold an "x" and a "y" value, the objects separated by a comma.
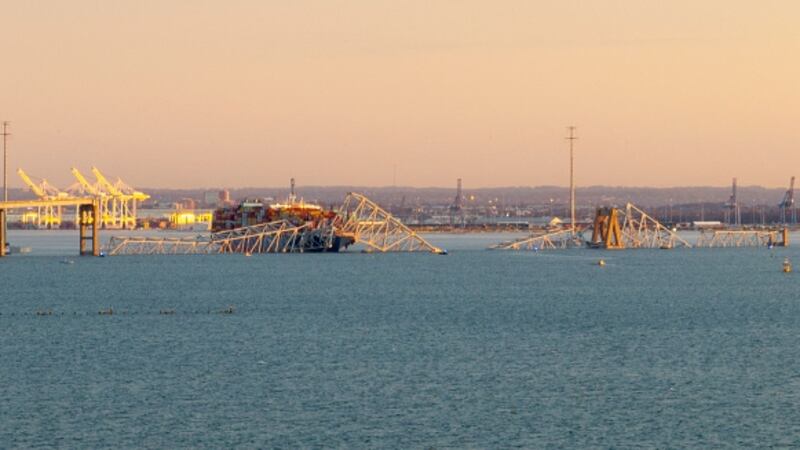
[
  {"x": 571, "y": 138},
  {"x": 6, "y": 134},
  {"x": 4, "y": 222}
]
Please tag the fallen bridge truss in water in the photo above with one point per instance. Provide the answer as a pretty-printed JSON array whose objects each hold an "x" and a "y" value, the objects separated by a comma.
[
  {"x": 365, "y": 222},
  {"x": 637, "y": 230},
  {"x": 560, "y": 239},
  {"x": 359, "y": 221},
  {"x": 743, "y": 238},
  {"x": 273, "y": 237}
]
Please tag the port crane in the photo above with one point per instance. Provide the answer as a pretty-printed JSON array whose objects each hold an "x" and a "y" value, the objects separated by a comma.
[
  {"x": 118, "y": 201},
  {"x": 84, "y": 187},
  {"x": 787, "y": 205},
  {"x": 123, "y": 200},
  {"x": 48, "y": 215}
]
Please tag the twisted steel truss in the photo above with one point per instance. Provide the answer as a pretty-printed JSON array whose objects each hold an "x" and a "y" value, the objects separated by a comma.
[
  {"x": 640, "y": 230},
  {"x": 273, "y": 237},
  {"x": 366, "y": 223},
  {"x": 542, "y": 241}
]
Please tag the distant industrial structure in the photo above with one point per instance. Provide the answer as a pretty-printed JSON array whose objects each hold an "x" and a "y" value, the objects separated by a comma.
[
  {"x": 734, "y": 213},
  {"x": 118, "y": 202},
  {"x": 457, "y": 208},
  {"x": 788, "y": 210}
]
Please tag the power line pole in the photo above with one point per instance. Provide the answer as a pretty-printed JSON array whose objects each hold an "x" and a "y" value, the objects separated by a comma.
[
  {"x": 571, "y": 138},
  {"x": 4, "y": 222},
  {"x": 6, "y": 134}
]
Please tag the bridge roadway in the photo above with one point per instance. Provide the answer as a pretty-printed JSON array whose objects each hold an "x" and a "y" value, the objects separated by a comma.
[{"x": 89, "y": 217}]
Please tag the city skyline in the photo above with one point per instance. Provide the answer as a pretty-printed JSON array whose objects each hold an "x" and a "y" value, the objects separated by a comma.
[{"x": 187, "y": 94}]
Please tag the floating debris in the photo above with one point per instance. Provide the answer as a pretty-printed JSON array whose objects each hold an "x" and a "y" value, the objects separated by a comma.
[{"x": 787, "y": 265}]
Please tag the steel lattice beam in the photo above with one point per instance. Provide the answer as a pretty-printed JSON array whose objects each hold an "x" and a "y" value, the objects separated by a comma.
[
  {"x": 363, "y": 221},
  {"x": 272, "y": 237},
  {"x": 542, "y": 241}
]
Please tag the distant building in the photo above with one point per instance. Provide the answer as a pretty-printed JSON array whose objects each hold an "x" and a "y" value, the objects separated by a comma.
[
  {"x": 187, "y": 203},
  {"x": 211, "y": 198},
  {"x": 700, "y": 224},
  {"x": 224, "y": 196}
]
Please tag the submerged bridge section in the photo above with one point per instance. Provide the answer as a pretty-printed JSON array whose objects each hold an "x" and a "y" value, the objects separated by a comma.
[
  {"x": 637, "y": 230},
  {"x": 615, "y": 228},
  {"x": 560, "y": 239},
  {"x": 743, "y": 238},
  {"x": 273, "y": 237}
]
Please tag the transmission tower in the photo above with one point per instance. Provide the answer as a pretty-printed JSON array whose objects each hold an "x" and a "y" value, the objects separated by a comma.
[
  {"x": 787, "y": 205},
  {"x": 734, "y": 212},
  {"x": 6, "y": 134},
  {"x": 457, "y": 208}
]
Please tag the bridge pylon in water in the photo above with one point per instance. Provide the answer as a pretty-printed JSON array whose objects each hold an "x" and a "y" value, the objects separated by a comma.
[{"x": 606, "y": 232}]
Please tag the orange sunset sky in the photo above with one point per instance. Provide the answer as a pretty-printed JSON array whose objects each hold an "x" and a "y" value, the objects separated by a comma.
[{"x": 239, "y": 93}]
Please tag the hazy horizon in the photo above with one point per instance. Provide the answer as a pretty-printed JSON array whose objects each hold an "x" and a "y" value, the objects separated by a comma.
[{"x": 186, "y": 94}]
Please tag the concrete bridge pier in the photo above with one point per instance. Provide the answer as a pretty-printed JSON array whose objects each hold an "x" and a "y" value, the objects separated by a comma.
[{"x": 89, "y": 219}]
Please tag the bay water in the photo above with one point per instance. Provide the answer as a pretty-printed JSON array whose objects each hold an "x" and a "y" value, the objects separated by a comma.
[{"x": 477, "y": 349}]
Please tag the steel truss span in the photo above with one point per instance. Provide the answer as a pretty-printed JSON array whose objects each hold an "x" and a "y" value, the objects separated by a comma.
[
  {"x": 359, "y": 220},
  {"x": 743, "y": 238},
  {"x": 364, "y": 222},
  {"x": 542, "y": 241},
  {"x": 273, "y": 237},
  {"x": 638, "y": 230}
]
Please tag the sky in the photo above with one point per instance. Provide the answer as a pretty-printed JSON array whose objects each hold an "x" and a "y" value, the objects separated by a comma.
[{"x": 194, "y": 93}]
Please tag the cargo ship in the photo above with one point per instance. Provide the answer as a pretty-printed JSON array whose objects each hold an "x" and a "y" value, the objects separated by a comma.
[{"x": 319, "y": 236}]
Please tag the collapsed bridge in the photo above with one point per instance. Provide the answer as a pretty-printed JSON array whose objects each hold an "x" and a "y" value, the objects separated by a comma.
[
  {"x": 359, "y": 221},
  {"x": 631, "y": 227}
]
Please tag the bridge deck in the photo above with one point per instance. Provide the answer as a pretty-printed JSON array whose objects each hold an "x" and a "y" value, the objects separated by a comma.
[{"x": 18, "y": 204}]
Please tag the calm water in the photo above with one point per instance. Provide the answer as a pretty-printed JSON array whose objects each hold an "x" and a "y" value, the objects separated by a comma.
[{"x": 480, "y": 348}]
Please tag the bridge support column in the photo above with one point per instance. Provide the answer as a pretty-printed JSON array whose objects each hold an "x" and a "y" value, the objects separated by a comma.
[
  {"x": 3, "y": 231},
  {"x": 606, "y": 232},
  {"x": 89, "y": 216}
]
